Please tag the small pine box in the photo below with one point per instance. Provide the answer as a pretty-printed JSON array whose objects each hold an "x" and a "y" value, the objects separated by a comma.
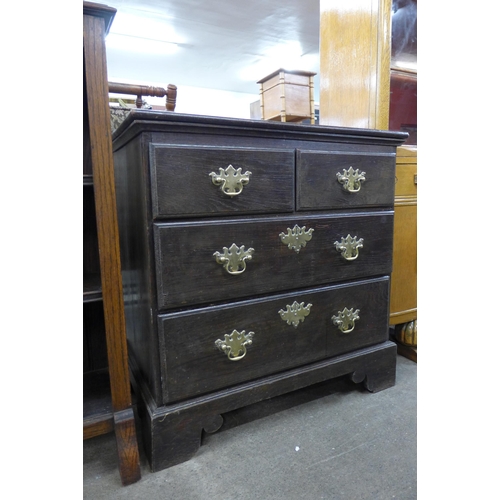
[{"x": 287, "y": 96}]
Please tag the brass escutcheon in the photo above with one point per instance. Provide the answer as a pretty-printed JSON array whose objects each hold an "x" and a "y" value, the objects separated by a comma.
[
  {"x": 351, "y": 179},
  {"x": 345, "y": 319},
  {"x": 297, "y": 237},
  {"x": 235, "y": 344},
  {"x": 234, "y": 258},
  {"x": 230, "y": 180},
  {"x": 349, "y": 247},
  {"x": 295, "y": 313}
]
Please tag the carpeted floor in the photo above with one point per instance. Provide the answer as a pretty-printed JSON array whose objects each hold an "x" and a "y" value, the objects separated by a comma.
[{"x": 331, "y": 441}]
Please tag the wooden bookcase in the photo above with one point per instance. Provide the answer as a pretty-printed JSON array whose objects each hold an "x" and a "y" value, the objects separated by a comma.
[{"x": 107, "y": 400}]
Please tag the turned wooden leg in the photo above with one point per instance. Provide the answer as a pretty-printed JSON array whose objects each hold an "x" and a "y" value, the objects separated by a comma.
[{"x": 405, "y": 335}]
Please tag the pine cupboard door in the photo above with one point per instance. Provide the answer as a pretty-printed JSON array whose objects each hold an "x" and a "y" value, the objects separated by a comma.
[{"x": 403, "y": 298}]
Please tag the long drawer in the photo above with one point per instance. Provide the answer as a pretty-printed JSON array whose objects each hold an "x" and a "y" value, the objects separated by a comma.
[
  {"x": 219, "y": 260},
  {"x": 333, "y": 180},
  {"x": 203, "y": 350},
  {"x": 202, "y": 181}
]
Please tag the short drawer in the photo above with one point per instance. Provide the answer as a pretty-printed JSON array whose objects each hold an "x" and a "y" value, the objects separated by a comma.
[
  {"x": 199, "y": 181},
  {"x": 211, "y": 261},
  {"x": 201, "y": 353},
  {"x": 327, "y": 180},
  {"x": 406, "y": 176}
]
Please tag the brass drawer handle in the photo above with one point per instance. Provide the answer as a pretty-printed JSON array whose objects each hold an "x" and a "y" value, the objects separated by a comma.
[
  {"x": 230, "y": 180},
  {"x": 351, "y": 179},
  {"x": 234, "y": 258},
  {"x": 345, "y": 321},
  {"x": 235, "y": 345},
  {"x": 296, "y": 238},
  {"x": 295, "y": 313},
  {"x": 349, "y": 247}
]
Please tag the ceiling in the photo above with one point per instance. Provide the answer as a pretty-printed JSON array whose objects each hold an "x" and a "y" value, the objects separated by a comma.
[{"x": 225, "y": 45}]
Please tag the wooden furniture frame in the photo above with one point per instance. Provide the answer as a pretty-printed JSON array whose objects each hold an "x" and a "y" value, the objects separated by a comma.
[
  {"x": 105, "y": 410},
  {"x": 183, "y": 296}
]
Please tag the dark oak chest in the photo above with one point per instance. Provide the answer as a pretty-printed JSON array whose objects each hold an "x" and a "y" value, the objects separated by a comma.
[{"x": 256, "y": 259}]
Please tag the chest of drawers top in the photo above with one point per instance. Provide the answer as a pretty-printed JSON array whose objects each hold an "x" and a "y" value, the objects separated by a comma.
[
  {"x": 283, "y": 167},
  {"x": 140, "y": 121}
]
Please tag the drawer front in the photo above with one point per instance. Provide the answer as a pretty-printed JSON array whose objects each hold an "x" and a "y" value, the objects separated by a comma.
[
  {"x": 198, "y": 181},
  {"x": 194, "y": 362},
  {"x": 406, "y": 179},
  {"x": 318, "y": 186},
  {"x": 190, "y": 256}
]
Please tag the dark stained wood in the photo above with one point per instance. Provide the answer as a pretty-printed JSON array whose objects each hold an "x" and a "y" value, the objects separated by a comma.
[
  {"x": 194, "y": 276},
  {"x": 179, "y": 300},
  {"x": 371, "y": 299},
  {"x": 136, "y": 240},
  {"x": 223, "y": 131},
  {"x": 88, "y": 180},
  {"x": 91, "y": 266},
  {"x": 182, "y": 185},
  {"x": 94, "y": 334},
  {"x": 92, "y": 290},
  {"x": 98, "y": 162},
  {"x": 97, "y": 406},
  {"x": 173, "y": 432},
  {"x": 319, "y": 189},
  {"x": 194, "y": 366}
]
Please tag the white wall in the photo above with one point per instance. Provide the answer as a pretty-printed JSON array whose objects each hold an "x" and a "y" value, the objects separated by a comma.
[{"x": 212, "y": 102}]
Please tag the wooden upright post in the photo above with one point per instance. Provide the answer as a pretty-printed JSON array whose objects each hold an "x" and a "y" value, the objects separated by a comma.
[
  {"x": 355, "y": 54},
  {"x": 96, "y": 22}
]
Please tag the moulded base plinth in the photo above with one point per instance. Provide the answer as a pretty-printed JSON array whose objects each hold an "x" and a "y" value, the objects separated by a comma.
[{"x": 172, "y": 433}]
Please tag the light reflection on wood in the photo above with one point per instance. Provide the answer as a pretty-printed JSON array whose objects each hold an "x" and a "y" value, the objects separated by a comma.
[{"x": 355, "y": 38}]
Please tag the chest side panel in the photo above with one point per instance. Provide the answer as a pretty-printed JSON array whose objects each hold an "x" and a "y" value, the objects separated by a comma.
[{"x": 137, "y": 259}]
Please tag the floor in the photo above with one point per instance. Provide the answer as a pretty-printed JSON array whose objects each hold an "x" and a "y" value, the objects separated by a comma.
[{"x": 331, "y": 441}]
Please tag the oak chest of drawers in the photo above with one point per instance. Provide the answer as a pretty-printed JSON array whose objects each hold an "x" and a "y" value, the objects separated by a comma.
[{"x": 256, "y": 260}]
